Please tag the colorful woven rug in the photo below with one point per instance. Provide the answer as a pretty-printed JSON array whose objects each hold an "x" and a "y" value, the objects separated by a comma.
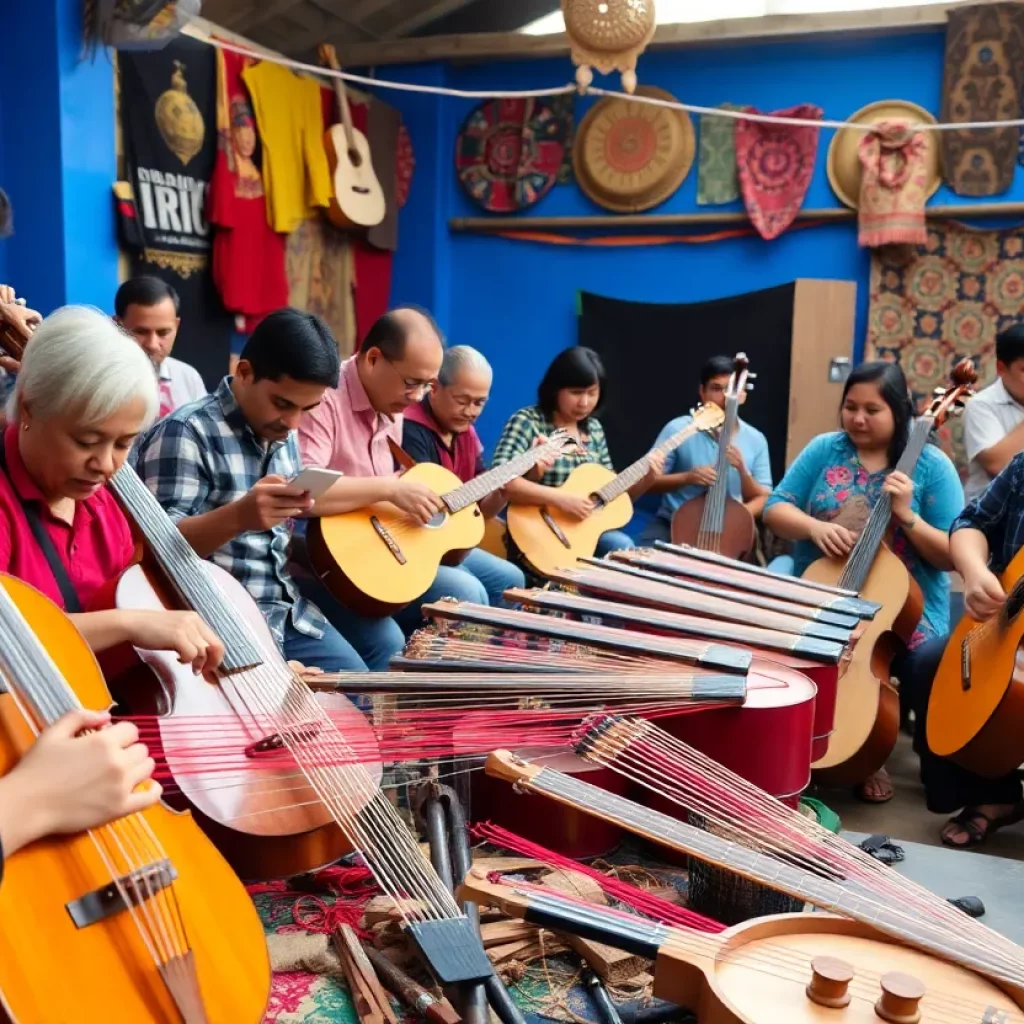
[
  {"x": 935, "y": 304},
  {"x": 717, "y": 181}
]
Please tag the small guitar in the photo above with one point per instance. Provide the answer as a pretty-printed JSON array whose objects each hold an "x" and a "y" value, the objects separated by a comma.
[
  {"x": 379, "y": 559},
  {"x": 550, "y": 540},
  {"x": 713, "y": 521},
  {"x": 358, "y": 200}
]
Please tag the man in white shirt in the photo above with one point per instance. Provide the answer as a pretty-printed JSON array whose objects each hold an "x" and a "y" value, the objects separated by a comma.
[
  {"x": 147, "y": 308},
  {"x": 994, "y": 418}
]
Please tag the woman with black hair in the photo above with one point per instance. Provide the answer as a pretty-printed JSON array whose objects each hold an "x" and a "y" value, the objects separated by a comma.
[
  {"x": 824, "y": 500},
  {"x": 568, "y": 398}
]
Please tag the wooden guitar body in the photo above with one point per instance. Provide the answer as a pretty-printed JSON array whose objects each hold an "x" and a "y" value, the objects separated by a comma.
[
  {"x": 980, "y": 725},
  {"x": 549, "y": 539},
  {"x": 738, "y": 531},
  {"x": 264, "y": 818},
  {"x": 377, "y": 560},
  {"x": 761, "y": 969},
  {"x": 867, "y": 705},
  {"x": 358, "y": 200},
  {"x": 53, "y": 971}
]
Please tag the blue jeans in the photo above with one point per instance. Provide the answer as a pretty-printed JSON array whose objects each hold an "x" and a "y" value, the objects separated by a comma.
[
  {"x": 332, "y": 653},
  {"x": 782, "y": 565},
  {"x": 657, "y": 529},
  {"x": 375, "y": 641},
  {"x": 613, "y": 540},
  {"x": 449, "y": 582},
  {"x": 496, "y": 574}
]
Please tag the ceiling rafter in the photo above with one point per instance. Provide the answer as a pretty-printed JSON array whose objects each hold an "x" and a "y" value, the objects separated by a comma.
[{"x": 434, "y": 12}]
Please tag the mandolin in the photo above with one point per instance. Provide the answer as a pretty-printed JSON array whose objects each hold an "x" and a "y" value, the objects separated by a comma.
[
  {"x": 358, "y": 200},
  {"x": 550, "y": 540},
  {"x": 137, "y": 921},
  {"x": 713, "y": 521},
  {"x": 976, "y": 705},
  {"x": 784, "y": 969},
  {"x": 867, "y": 704},
  {"x": 379, "y": 559}
]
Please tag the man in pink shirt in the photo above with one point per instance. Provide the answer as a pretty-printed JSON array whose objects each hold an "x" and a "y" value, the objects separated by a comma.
[{"x": 349, "y": 431}]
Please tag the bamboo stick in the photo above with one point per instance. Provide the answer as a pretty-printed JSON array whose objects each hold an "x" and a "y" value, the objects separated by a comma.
[{"x": 492, "y": 225}]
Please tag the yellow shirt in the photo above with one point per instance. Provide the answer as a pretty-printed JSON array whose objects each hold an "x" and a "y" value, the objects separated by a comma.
[{"x": 296, "y": 178}]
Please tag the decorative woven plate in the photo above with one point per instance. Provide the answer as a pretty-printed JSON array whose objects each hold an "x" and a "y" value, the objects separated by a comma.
[
  {"x": 631, "y": 156},
  {"x": 843, "y": 164}
]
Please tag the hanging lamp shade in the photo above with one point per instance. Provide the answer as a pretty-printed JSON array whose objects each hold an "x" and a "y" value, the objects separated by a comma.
[{"x": 608, "y": 35}]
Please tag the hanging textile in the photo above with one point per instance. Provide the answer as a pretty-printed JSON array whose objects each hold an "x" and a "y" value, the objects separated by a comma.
[
  {"x": 983, "y": 77},
  {"x": 893, "y": 186},
  {"x": 321, "y": 277},
  {"x": 168, "y": 113},
  {"x": 935, "y": 304},
  {"x": 248, "y": 255},
  {"x": 383, "y": 123},
  {"x": 717, "y": 180},
  {"x": 775, "y": 163}
]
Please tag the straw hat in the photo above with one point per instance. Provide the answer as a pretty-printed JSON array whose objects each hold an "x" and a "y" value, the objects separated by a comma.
[
  {"x": 629, "y": 156},
  {"x": 844, "y": 167}
]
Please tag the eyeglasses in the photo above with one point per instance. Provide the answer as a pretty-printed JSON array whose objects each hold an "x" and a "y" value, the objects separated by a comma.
[{"x": 412, "y": 387}]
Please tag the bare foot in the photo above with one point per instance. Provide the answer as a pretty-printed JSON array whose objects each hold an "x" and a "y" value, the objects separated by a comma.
[{"x": 877, "y": 788}]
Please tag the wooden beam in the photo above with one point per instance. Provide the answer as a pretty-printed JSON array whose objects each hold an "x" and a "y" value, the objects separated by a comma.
[
  {"x": 433, "y": 12},
  {"x": 510, "y": 45},
  {"x": 259, "y": 14},
  {"x": 611, "y": 222}
]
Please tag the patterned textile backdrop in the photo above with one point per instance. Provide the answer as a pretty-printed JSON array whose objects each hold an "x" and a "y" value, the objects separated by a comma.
[{"x": 935, "y": 304}]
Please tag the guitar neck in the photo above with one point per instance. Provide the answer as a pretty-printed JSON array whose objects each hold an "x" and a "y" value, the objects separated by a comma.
[{"x": 493, "y": 480}]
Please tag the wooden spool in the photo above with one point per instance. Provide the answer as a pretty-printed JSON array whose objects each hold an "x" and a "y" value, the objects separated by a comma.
[{"x": 830, "y": 982}]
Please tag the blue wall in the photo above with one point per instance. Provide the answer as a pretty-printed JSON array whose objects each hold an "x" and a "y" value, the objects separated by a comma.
[{"x": 517, "y": 301}]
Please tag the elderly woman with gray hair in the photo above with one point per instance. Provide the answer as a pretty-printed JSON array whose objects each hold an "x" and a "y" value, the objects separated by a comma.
[
  {"x": 440, "y": 430},
  {"x": 84, "y": 392}
]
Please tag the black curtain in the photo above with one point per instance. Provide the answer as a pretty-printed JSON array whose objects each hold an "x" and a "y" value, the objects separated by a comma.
[{"x": 653, "y": 353}]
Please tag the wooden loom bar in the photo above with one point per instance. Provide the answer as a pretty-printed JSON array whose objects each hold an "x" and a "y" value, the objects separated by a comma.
[{"x": 494, "y": 225}]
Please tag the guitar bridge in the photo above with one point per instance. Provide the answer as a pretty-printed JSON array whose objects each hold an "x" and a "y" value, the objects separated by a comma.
[
  {"x": 388, "y": 539},
  {"x": 128, "y": 890},
  {"x": 555, "y": 528},
  {"x": 273, "y": 744},
  {"x": 965, "y": 664}
]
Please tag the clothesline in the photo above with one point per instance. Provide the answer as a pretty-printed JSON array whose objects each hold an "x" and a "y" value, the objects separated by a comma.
[{"x": 473, "y": 94}]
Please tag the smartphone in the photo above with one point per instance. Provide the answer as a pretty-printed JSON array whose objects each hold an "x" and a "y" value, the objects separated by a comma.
[{"x": 314, "y": 480}]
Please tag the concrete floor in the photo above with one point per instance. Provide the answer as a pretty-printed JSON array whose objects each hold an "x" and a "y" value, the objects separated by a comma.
[{"x": 905, "y": 816}]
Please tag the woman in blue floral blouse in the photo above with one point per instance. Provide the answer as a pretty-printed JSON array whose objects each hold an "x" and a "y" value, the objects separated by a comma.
[{"x": 823, "y": 501}]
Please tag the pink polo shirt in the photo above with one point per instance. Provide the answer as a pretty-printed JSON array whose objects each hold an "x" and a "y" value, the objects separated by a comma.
[
  {"x": 95, "y": 548},
  {"x": 345, "y": 433}
]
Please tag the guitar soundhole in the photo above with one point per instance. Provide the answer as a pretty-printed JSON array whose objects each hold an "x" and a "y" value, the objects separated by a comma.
[
  {"x": 436, "y": 521},
  {"x": 1014, "y": 603},
  {"x": 355, "y": 158}
]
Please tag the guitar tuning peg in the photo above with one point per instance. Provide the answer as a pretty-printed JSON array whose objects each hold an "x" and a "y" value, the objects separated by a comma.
[
  {"x": 751, "y": 376},
  {"x": 750, "y": 387}
]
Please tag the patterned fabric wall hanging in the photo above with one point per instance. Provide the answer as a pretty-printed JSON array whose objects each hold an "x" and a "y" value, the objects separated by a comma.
[
  {"x": 717, "y": 181},
  {"x": 983, "y": 77},
  {"x": 935, "y": 304},
  {"x": 775, "y": 164},
  {"x": 509, "y": 152}
]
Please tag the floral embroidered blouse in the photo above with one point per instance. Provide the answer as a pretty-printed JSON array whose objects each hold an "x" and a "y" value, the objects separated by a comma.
[{"x": 828, "y": 482}]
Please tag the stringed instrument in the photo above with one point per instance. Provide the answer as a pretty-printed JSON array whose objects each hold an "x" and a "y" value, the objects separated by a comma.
[
  {"x": 358, "y": 200},
  {"x": 785, "y": 969},
  {"x": 713, "y": 521},
  {"x": 867, "y": 704},
  {"x": 137, "y": 921},
  {"x": 377, "y": 560},
  {"x": 549, "y": 539},
  {"x": 976, "y": 707}
]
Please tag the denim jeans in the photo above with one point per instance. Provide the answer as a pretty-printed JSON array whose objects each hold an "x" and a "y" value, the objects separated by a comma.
[
  {"x": 449, "y": 582},
  {"x": 496, "y": 574},
  {"x": 657, "y": 529},
  {"x": 613, "y": 540},
  {"x": 332, "y": 653}
]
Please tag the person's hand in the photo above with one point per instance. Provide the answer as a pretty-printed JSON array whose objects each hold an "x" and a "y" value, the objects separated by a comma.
[
  {"x": 703, "y": 476},
  {"x": 900, "y": 488},
  {"x": 572, "y": 505},
  {"x": 983, "y": 594},
  {"x": 416, "y": 499},
  {"x": 834, "y": 540},
  {"x": 544, "y": 463},
  {"x": 270, "y": 502},
  {"x": 735, "y": 457},
  {"x": 655, "y": 463},
  {"x": 12, "y": 366},
  {"x": 185, "y": 633},
  {"x": 71, "y": 780},
  {"x": 307, "y": 673}
]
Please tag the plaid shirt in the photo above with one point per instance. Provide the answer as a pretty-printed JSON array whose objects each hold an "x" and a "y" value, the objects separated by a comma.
[
  {"x": 204, "y": 456},
  {"x": 998, "y": 512},
  {"x": 529, "y": 423}
]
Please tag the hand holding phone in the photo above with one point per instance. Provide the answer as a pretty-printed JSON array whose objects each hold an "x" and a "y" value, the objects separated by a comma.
[{"x": 314, "y": 480}]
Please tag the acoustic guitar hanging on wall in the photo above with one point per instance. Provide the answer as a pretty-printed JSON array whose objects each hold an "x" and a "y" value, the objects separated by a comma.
[{"x": 358, "y": 200}]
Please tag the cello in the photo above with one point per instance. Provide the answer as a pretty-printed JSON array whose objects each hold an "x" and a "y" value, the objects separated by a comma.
[
  {"x": 143, "y": 919},
  {"x": 713, "y": 521},
  {"x": 867, "y": 704}
]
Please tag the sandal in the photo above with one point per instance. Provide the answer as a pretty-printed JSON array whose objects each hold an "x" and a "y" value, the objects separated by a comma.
[
  {"x": 968, "y": 821},
  {"x": 881, "y": 776}
]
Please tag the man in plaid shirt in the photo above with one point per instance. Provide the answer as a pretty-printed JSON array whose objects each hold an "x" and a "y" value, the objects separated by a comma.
[{"x": 219, "y": 467}]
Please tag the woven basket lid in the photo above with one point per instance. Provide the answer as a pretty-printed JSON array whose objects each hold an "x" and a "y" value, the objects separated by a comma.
[
  {"x": 609, "y": 26},
  {"x": 843, "y": 164},
  {"x": 630, "y": 156}
]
